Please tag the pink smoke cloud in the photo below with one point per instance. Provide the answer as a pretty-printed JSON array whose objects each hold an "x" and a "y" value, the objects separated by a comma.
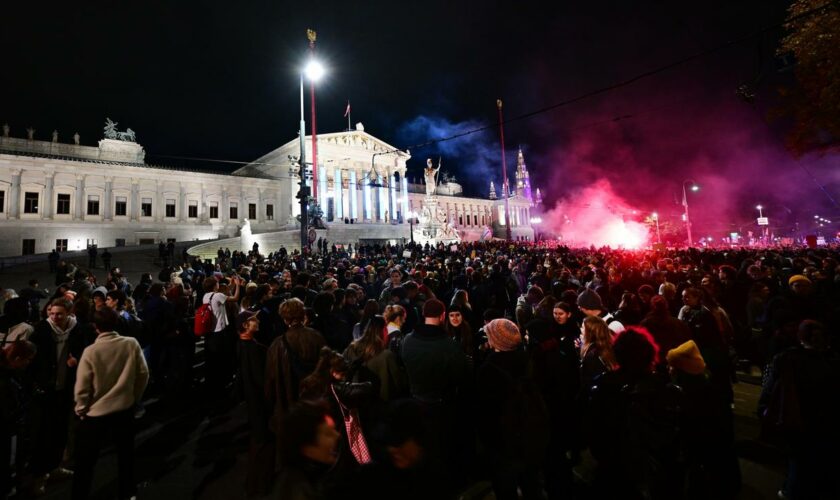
[{"x": 597, "y": 216}]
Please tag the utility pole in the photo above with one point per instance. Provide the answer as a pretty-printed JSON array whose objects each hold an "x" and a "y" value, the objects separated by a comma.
[{"x": 505, "y": 189}]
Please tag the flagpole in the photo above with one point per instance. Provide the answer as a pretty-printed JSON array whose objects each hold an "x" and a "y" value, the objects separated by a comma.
[{"x": 505, "y": 188}]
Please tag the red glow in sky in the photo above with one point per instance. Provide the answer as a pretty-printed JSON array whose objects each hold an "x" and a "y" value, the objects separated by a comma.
[{"x": 596, "y": 216}]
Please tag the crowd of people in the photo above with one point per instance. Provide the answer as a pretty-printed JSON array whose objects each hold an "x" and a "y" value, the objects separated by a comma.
[{"x": 417, "y": 371}]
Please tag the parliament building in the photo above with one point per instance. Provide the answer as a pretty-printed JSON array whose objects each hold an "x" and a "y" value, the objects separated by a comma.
[{"x": 70, "y": 196}]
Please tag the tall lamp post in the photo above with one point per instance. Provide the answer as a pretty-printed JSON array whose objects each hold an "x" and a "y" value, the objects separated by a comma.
[
  {"x": 655, "y": 217},
  {"x": 411, "y": 216},
  {"x": 313, "y": 71},
  {"x": 695, "y": 188}
]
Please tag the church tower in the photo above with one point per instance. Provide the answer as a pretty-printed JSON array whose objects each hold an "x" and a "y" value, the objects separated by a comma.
[
  {"x": 538, "y": 199},
  {"x": 523, "y": 181},
  {"x": 492, "y": 191}
]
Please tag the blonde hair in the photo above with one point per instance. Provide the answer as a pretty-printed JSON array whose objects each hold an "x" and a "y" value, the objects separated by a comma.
[{"x": 598, "y": 336}]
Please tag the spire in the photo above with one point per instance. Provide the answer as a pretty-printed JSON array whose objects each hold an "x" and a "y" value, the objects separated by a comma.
[
  {"x": 492, "y": 191},
  {"x": 538, "y": 200},
  {"x": 523, "y": 180}
]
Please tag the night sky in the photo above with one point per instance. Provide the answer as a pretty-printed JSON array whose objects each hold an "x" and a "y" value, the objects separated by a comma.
[{"x": 219, "y": 80}]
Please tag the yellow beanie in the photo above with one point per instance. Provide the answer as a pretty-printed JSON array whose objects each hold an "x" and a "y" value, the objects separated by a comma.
[
  {"x": 797, "y": 277},
  {"x": 687, "y": 358}
]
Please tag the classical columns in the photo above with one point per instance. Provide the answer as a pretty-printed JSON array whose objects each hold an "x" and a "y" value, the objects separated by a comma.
[
  {"x": 158, "y": 209},
  {"x": 135, "y": 202},
  {"x": 366, "y": 201},
  {"x": 202, "y": 216},
  {"x": 225, "y": 206},
  {"x": 261, "y": 203},
  {"x": 182, "y": 202},
  {"x": 352, "y": 192},
  {"x": 404, "y": 193},
  {"x": 337, "y": 199},
  {"x": 322, "y": 188},
  {"x": 47, "y": 212},
  {"x": 382, "y": 197},
  {"x": 14, "y": 195},
  {"x": 109, "y": 185},
  {"x": 80, "y": 195},
  {"x": 392, "y": 190}
]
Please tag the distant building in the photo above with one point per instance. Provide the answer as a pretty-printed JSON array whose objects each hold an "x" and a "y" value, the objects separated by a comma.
[
  {"x": 523, "y": 180},
  {"x": 69, "y": 196}
]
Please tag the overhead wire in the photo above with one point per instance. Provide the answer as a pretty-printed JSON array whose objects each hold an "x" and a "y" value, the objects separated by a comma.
[{"x": 602, "y": 90}]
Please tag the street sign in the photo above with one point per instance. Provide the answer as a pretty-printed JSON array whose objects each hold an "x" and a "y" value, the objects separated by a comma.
[{"x": 763, "y": 221}]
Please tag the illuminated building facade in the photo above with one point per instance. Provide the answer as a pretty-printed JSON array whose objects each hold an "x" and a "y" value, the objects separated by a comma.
[{"x": 69, "y": 196}]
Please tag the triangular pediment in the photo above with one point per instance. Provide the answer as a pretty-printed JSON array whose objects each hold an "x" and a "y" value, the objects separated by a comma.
[{"x": 350, "y": 143}]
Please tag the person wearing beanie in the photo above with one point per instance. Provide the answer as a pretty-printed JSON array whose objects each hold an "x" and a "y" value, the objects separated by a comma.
[
  {"x": 798, "y": 278},
  {"x": 712, "y": 469},
  {"x": 507, "y": 435},
  {"x": 590, "y": 303},
  {"x": 686, "y": 358},
  {"x": 503, "y": 335}
]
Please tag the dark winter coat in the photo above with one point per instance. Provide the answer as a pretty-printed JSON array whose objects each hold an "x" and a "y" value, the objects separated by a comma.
[{"x": 435, "y": 364}]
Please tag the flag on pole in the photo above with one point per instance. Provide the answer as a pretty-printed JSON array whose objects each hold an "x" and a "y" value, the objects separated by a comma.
[{"x": 347, "y": 111}]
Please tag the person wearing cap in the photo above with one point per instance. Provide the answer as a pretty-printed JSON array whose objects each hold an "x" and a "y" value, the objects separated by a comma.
[{"x": 590, "y": 304}]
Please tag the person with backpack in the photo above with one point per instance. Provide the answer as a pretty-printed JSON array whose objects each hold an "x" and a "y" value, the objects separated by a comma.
[
  {"x": 219, "y": 343},
  {"x": 291, "y": 358},
  {"x": 514, "y": 421}
]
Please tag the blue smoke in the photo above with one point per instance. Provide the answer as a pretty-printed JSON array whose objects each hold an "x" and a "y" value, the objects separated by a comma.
[{"x": 473, "y": 159}]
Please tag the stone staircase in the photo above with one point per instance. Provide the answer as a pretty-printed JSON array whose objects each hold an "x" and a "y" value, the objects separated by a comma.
[{"x": 339, "y": 234}]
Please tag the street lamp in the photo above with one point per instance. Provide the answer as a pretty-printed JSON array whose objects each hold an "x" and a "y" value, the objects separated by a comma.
[
  {"x": 655, "y": 217},
  {"x": 411, "y": 216},
  {"x": 695, "y": 188},
  {"x": 313, "y": 71}
]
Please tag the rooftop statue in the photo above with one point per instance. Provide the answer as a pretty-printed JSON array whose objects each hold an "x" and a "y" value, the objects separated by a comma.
[
  {"x": 110, "y": 129},
  {"x": 111, "y": 132}
]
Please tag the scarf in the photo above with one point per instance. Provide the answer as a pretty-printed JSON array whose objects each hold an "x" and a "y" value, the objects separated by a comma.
[{"x": 61, "y": 349}]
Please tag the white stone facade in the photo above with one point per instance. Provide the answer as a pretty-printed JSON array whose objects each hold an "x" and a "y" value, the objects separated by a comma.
[{"x": 67, "y": 196}]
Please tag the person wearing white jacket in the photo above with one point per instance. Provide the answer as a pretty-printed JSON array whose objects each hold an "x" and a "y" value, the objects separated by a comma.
[{"x": 110, "y": 380}]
